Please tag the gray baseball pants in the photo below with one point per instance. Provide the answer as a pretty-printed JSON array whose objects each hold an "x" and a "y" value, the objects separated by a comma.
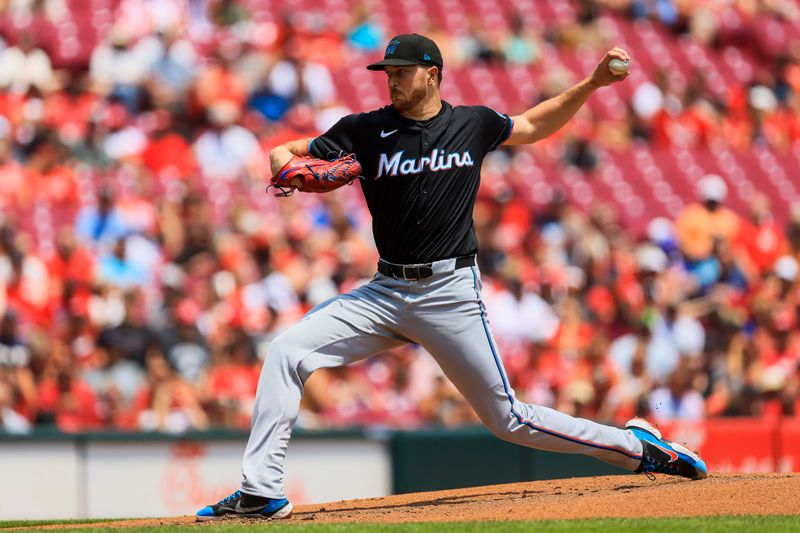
[{"x": 445, "y": 315}]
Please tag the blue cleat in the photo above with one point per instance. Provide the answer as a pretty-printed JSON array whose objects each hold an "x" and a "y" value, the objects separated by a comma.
[
  {"x": 665, "y": 457},
  {"x": 241, "y": 505}
]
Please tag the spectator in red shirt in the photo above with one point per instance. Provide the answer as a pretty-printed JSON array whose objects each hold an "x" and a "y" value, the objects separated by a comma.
[
  {"x": 230, "y": 386},
  {"x": 761, "y": 241},
  {"x": 217, "y": 82},
  {"x": 393, "y": 396},
  {"x": 67, "y": 401},
  {"x": 168, "y": 155},
  {"x": 165, "y": 402},
  {"x": 69, "y": 264},
  {"x": 15, "y": 193},
  {"x": 69, "y": 111},
  {"x": 574, "y": 334},
  {"x": 49, "y": 172},
  {"x": 24, "y": 279}
]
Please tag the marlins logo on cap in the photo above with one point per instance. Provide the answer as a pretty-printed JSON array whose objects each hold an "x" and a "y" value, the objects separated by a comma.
[
  {"x": 392, "y": 47},
  {"x": 410, "y": 49}
]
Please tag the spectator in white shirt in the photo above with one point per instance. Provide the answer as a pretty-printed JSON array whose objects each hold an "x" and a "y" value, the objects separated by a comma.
[
  {"x": 24, "y": 66},
  {"x": 682, "y": 329},
  {"x": 10, "y": 420},
  {"x": 118, "y": 67},
  {"x": 520, "y": 315},
  {"x": 227, "y": 151},
  {"x": 678, "y": 400},
  {"x": 301, "y": 81}
]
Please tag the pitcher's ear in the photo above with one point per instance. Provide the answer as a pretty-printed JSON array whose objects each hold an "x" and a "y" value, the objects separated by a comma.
[{"x": 433, "y": 75}]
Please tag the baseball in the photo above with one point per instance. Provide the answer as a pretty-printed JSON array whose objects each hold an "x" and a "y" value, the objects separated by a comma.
[{"x": 618, "y": 67}]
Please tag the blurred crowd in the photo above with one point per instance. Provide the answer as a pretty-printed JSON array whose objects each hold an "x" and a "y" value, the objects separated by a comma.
[{"x": 144, "y": 272}]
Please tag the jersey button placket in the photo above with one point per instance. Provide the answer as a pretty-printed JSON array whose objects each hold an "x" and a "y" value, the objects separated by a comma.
[{"x": 425, "y": 143}]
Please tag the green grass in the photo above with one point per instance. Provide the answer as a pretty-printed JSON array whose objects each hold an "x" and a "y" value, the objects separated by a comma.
[
  {"x": 678, "y": 525},
  {"x": 5, "y": 524}
]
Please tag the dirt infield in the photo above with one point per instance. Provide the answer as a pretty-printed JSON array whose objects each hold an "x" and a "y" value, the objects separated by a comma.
[{"x": 611, "y": 496}]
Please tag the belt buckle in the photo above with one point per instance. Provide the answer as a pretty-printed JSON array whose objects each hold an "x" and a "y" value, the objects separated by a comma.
[{"x": 413, "y": 269}]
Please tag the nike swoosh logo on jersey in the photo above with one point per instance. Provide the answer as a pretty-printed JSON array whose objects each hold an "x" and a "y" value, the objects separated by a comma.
[
  {"x": 672, "y": 455},
  {"x": 385, "y": 134}
]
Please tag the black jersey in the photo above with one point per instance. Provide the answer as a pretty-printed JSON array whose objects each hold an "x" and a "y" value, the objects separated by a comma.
[{"x": 420, "y": 178}]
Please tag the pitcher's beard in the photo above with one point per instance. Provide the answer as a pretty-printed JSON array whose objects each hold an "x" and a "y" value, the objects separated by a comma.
[{"x": 416, "y": 96}]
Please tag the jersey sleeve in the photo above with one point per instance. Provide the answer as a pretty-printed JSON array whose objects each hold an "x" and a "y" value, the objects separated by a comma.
[
  {"x": 494, "y": 127},
  {"x": 340, "y": 138}
]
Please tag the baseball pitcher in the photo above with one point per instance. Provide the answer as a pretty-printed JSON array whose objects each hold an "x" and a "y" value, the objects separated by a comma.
[{"x": 418, "y": 162}]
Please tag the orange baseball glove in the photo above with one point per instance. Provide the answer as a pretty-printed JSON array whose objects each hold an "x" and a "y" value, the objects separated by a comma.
[{"x": 315, "y": 175}]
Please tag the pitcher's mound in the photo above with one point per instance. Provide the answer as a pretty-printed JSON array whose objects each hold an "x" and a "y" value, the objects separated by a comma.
[
  {"x": 610, "y": 496},
  {"x": 589, "y": 497}
]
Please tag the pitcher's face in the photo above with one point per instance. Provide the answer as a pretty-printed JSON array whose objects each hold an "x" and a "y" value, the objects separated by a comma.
[{"x": 408, "y": 86}]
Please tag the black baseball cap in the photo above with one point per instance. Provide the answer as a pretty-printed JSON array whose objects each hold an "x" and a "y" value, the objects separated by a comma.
[{"x": 410, "y": 49}]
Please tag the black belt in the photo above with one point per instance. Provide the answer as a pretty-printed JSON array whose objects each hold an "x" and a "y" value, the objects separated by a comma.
[{"x": 421, "y": 271}]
